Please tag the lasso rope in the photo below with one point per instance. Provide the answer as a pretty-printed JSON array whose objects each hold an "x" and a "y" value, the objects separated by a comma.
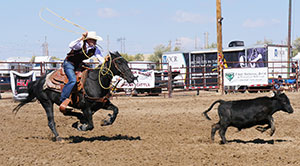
[
  {"x": 64, "y": 19},
  {"x": 108, "y": 70},
  {"x": 99, "y": 79},
  {"x": 40, "y": 14},
  {"x": 64, "y": 29}
]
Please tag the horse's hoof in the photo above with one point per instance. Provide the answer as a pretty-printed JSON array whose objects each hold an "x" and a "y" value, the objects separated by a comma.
[
  {"x": 75, "y": 125},
  {"x": 105, "y": 123},
  {"x": 59, "y": 139},
  {"x": 261, "y": 129},
  {"x": 83, "y": 127}
]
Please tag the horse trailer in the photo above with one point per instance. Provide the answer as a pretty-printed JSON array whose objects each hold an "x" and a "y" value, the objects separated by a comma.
[{"x": 198, "y": 69}]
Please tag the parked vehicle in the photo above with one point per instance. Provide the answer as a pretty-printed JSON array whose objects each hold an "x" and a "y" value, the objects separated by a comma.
[
  {"x": 198, "y": 69},
  {"x": 44, "y": 64},
  {"x": 19, "y": 64}
]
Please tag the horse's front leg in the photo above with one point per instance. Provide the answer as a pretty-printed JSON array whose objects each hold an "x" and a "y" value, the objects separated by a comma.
[
  {"x": 88, "y": 116},
  {"x": 78, "y": 115},
  {"x": 111, "y": 118}
]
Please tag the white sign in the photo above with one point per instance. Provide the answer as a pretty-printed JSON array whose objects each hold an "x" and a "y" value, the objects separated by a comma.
[
  {"x": 245, "y": 76},
  {"x": 178, "y": 63},
  {"x": 280, "y": 55},
  {"x": 176, "y": 60},
  {"x": 145, "y": 80},
  {"x": 19, "y": 84}
]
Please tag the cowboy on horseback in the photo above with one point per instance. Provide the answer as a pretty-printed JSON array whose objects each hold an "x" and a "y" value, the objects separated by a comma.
[{"x": 81, "y": 49}]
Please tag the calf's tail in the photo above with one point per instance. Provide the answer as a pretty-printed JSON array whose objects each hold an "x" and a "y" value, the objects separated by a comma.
[
  {"x": 205, "y": 112},
  {"x": 28, "y": 99}
]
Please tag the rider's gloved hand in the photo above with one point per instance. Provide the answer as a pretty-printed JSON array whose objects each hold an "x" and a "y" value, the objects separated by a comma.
[
  {"x": 84, "y": 35},
  {"x": 107, "y": 58}
]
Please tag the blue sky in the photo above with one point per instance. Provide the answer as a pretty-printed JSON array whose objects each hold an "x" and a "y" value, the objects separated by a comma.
[{"x": 143, "y": 24}]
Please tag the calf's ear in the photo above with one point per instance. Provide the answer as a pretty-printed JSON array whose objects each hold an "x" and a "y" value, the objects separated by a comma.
[
  {"x": 273, "y": 94},
  {"x": 276, "y": 93}
]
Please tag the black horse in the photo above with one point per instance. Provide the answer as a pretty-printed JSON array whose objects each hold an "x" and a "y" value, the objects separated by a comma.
[{"x": 90, "y": 101}]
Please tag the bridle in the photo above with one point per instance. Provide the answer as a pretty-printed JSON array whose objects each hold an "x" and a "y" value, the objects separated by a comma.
[
  {"x": 107, "y": 70},
  {"x": 117, "y": 66},
  {"x": 106, "y": 97}
]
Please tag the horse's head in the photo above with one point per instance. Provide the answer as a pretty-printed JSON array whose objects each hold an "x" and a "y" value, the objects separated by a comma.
[{"x": 119, "y": 66}]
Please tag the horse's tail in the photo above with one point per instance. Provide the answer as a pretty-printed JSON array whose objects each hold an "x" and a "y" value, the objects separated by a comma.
[
  {"x": 28, "y": 99},
  {"x": 205, "y": 112}
]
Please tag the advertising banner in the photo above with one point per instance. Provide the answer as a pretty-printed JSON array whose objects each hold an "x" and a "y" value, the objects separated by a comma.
[
  {"x": 245, "y": 76},
  {"x": 257, "y": 57},
  {"x": 145, "y": 80},
  {"x": 19, "y": 83}
]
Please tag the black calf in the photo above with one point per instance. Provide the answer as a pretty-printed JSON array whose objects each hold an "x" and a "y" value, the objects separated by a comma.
[{"x": 248, "y": 113}]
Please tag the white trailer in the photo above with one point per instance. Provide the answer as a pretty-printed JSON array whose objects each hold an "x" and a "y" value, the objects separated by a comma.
[
  {"x": 44, "y": 64},
  {"x": 198, "y": 69}
]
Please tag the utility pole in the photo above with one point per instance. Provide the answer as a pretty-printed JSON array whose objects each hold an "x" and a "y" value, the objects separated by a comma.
[
  {"x": 177, "y": 44},
  {"x": 196, "y": 42},
  {"x": 289, "y": 32},
  {"x": 170, "y": 45},
  {"x": 45, "y": 47},
  {"x": 122, "y": 41},
  {"x": 107, "y": 43},
  {"x": 124, "y": 44},
  {"x": 219, "y": 45},
  {"x": 206, "y": 40}
]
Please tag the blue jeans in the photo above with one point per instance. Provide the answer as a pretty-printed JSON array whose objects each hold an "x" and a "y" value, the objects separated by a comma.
[{"x": 69, "y": 71}]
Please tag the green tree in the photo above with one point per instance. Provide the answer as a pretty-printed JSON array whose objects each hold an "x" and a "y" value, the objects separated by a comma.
[
  {"x": 177, "y": 49},
  {"x": 153, "y": 58},
  {"x": 139, "y": 57},
  {"x": 55, "y": 58},
  {"x": 32, "y": 59},
  {"x": 213, "y": 45},
  {"x": 158, "y": 51},
  {"x": 266, "y": 41},
  {"x": 296, "y": 46},
  {"x": 128, "y": 57}
]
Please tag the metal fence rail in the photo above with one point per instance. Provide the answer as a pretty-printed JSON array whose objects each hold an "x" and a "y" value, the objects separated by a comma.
[
  {"x": 170, "y": 80},
  {"x": 205, "y": 77}
]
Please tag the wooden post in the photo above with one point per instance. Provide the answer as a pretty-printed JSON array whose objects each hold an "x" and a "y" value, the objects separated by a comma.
[
  {"x": 289, "y": 33},
  {"x": 297, "y": 76},
  {"x": 170, "y": 81},
  {"x": 219, "y": 45},
  {"x": 41, "y": 65}
]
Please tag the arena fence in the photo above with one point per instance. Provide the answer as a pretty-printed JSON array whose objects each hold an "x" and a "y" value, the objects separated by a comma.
[
  {"x": 167, "y": 81},
  {"x": 205, "y": 77}
]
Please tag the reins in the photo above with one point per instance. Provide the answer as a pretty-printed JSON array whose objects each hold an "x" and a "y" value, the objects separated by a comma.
[
  {"x": 100, "y": 99},
  {"x": 109, "y": 70}
]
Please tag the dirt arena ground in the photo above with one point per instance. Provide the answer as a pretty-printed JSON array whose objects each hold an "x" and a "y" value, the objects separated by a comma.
[{"x": 148, "y": 131}]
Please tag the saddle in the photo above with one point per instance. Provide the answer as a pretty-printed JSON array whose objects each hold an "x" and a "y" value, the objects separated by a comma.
[{"x": 57, "y": 80}]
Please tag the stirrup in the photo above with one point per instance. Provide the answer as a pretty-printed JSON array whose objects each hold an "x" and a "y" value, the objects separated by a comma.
[{"x": 64, "y": 106}]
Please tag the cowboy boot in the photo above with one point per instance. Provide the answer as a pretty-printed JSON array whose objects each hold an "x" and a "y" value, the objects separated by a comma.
[{"x": 64, "y": 106}]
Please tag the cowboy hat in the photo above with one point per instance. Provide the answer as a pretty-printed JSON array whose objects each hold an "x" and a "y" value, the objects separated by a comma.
[{"x": 93, "y": 35}]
